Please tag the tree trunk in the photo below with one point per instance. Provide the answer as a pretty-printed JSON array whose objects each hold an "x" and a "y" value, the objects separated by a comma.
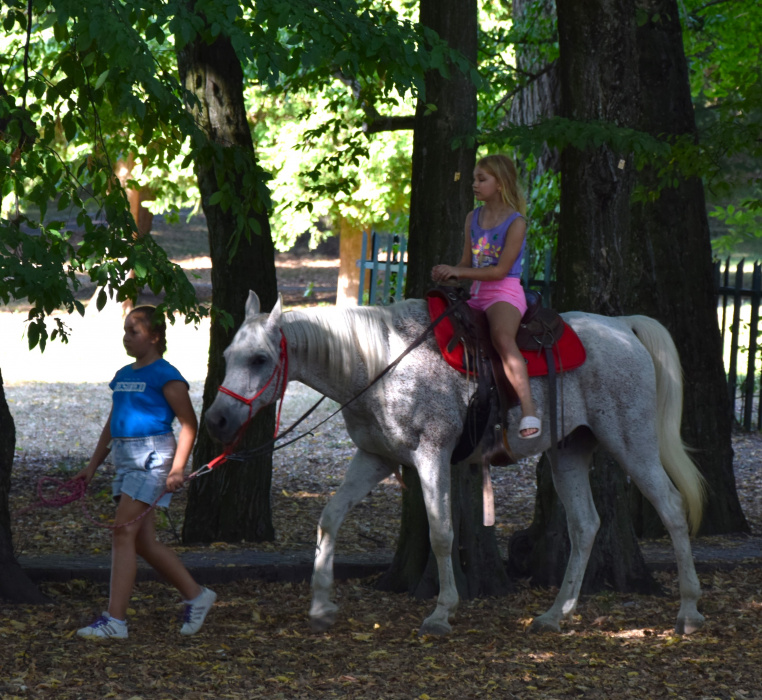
[
  {"x": 441, "y": 198},
  {"x": 671, "y": 252},
  {"x": 233, "y": 502},
  {"x": 350, "y": 250},
  {"x": 15, "y": 585},
  {"x": 441, "y": 180},
  {"x": 540, "y": 98},
  {"x": 599, "y": 81}
]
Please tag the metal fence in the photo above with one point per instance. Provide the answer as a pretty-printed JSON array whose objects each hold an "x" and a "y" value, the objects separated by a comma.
[{"x": 739, "y": 293}]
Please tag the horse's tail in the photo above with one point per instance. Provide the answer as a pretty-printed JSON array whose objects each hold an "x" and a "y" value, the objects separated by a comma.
[{"x": 669, "y": 397}]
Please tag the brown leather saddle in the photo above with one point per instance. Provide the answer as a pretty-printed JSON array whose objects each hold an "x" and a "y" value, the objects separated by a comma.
[{"x": 487, "y": 415}]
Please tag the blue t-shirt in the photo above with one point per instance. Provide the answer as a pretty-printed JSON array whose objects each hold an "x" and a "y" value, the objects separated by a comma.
[{"x": 139, "y": 406}]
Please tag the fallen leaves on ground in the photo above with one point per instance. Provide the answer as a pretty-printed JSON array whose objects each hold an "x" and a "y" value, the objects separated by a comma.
[{"x": 257, "y": 644}]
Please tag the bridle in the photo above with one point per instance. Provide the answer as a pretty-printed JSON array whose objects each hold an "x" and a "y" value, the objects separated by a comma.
[
  {"x": 270, "y": 446},
  {"x": 279, "y": 375}
]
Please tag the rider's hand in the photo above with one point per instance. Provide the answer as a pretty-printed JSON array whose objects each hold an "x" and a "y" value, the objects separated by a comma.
[{"x": 442, "y": 273}]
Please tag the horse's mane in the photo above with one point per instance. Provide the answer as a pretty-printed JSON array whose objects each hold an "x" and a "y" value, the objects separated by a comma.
[{"x": 335, "y": 337}]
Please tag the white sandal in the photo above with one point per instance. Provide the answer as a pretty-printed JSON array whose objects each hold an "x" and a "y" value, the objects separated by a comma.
[{"x": 529, "y": 423}]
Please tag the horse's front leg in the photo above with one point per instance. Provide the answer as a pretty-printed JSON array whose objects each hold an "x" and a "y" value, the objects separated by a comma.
[
  {"x": 364, "y": 472},
  {"x": 435, "y": 483}
]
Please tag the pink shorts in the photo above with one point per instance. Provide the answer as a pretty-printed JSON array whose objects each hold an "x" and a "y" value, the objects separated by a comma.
[{"x": 485, "y": 294}]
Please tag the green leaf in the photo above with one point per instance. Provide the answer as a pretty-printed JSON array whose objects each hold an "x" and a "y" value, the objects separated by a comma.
[
  {"x": 102, "y": 79},
  {"x": 33, "y": 335}
]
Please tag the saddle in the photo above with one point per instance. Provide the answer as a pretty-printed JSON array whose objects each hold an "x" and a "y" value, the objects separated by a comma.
[{"x": 549, "y": 347}]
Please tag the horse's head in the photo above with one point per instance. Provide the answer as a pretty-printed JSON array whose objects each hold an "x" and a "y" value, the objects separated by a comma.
[{"x": 255, "y": 371}]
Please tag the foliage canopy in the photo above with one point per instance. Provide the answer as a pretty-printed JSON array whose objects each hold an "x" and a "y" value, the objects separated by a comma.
[{"x": 85, "y": 84}]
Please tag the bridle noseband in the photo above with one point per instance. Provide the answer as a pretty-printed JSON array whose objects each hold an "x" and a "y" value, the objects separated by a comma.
[{"x": 279, "y": 373}]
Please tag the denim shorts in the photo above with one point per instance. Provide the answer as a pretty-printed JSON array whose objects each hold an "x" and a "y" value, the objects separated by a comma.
[{"x": 142, "y": 465}]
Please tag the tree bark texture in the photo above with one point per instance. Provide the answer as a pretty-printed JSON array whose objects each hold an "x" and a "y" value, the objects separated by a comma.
[
  {"x": 442, "y": 176},
  {"x": 617, "y": 255},
  {"x": 595, "y": 67},
  {"x": 540, "y": 98},
  {"x": 441, "y": 198},
  {"x": 233, "y": 502},
  {"x": 15, "y": 585},
  {"x": 673, "y": 256}
]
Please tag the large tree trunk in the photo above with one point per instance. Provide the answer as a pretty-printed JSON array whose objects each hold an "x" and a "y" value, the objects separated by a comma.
[
  {"x": 599, "y": 81},
  {"x": 616, "y": 256},
  {"x": 540, "y": 98},
  {"x": 671, "y": 253},
  {"x": 15, "y": 585},
  {"x": 441, "y": 198},
  {"x": 232, "y": 503},
  {"x": 441, "y": 181}
]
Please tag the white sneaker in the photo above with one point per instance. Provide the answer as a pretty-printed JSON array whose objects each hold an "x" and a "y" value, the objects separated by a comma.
[
  {"x": 105, "y": 627},
  {"x": 196, "y": 611}
]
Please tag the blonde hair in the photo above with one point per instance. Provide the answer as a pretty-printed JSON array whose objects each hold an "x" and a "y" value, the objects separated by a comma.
[{"x": 503, "y": 169}]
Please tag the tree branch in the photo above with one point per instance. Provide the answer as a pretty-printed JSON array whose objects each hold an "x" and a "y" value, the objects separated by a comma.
[
  {"x": 389, "y": 124},
  {"x": 375, "y": 122},
  {"x": 532, "y": 78}
]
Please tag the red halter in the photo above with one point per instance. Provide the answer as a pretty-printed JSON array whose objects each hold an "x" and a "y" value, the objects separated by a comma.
[{"x": 279, "y": 373}]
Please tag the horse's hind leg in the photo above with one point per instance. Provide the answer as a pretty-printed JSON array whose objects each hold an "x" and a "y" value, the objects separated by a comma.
[
  {"x": 647, "y": 473},
  {"x": 570, "y": 477},
  {"x": 364, "y": 472}
]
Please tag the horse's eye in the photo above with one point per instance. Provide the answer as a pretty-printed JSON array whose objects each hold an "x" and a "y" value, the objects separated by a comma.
[{"x": 258, "y": 360}]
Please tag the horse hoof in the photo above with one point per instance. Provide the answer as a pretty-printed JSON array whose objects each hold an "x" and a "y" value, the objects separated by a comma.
[
  {"x": 434, "y": 627},
  {"x": 323, "y": 623},
  {"x": 689, "y": 626},
  {"x": 540, "y": 625}
]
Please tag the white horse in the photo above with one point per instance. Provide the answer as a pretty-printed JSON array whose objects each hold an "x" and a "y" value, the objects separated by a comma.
[{"x": 627, "y": 397}]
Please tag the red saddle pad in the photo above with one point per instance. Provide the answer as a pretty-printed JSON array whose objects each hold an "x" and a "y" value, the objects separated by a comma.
[{"x": 569, "y": 352}]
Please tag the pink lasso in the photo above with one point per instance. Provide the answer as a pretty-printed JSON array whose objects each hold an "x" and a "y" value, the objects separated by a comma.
[{"x": 73, "y": 490}]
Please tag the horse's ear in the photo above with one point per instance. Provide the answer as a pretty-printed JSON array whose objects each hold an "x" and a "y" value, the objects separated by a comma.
[
  {"x": 276, "y": 313},
  {"x": 252, "y": 304}
]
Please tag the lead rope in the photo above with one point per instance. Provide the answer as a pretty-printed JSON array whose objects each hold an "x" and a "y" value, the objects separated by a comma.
[{"x": 75, "y": 489}]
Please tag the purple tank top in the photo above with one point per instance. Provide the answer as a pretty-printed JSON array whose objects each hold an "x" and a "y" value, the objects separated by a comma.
[{"x": 487, "y": 244}]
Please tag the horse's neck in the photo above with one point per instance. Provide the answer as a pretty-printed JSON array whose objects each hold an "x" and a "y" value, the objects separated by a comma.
[{"x": 324, "y": 355}]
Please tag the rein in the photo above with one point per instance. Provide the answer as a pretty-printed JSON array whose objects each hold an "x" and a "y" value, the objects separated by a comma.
[
  {"x": 75, "y": 489},
  {"x": 270, "y": 446}
]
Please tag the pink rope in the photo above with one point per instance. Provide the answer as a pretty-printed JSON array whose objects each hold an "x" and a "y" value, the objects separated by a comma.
[
  {"x": 75, "y": 489},
  {"x": 70, "y": 491}
]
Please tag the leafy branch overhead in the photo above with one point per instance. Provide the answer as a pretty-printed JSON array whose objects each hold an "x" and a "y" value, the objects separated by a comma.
[{"x": 87, "y": 84}]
